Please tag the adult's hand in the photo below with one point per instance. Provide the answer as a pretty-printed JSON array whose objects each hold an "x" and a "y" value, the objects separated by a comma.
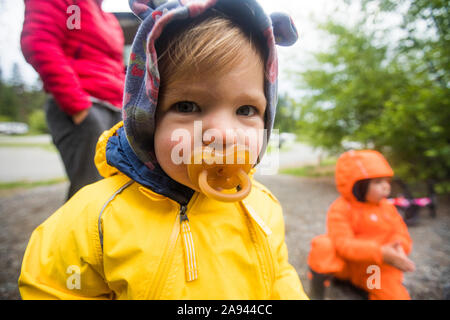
[{"x": 78, "y": 117}]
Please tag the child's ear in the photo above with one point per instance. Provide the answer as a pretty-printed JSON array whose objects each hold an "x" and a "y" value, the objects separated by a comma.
[
  {"x": 284, "y": 29},
  {"x": 143, "y": 8}
]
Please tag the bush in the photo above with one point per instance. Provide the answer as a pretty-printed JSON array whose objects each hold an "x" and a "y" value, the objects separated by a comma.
[
  {"x": 391, "y": 97},
  {"x": 37, "y": 122}
]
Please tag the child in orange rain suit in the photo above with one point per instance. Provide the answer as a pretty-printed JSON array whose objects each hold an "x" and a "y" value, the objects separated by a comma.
[{"x": 367, "y": 241}]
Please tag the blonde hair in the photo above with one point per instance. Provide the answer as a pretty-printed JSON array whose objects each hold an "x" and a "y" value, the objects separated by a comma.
[{"x": 211, "y": 43}]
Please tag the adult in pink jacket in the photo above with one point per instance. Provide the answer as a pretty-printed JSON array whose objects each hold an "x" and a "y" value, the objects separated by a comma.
[{"x": 77, "y": 49}]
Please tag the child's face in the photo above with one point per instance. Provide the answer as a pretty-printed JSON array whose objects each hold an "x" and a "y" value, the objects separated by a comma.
[
  {"x": 378, "y": 189},
  {"x": 231, "y": 100}
]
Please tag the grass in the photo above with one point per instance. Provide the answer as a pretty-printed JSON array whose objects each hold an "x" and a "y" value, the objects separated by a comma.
[
  {"x": 271, "y": 148},
  {"x": 46, "y": 146},
  {"x": 325, "y": 169},
  {"x": 29, "y": 184},
  {"x": 309, "y": 171}
]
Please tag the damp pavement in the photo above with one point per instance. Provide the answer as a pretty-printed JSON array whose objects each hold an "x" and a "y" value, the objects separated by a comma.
[{"x": 29, "y": 159}]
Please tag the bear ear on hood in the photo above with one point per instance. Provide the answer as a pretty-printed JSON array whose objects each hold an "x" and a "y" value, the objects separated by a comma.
[
  {"x": 142, "y": 8},
  {"x": 283, "y": 29}
]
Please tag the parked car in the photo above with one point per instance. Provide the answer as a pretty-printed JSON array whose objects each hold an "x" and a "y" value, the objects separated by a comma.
[{"x": 13, "y": 128}]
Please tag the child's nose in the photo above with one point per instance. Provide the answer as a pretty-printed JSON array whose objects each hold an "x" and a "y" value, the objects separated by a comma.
[
  {"x": 218, "y": 136},
  {"x": 219, "y": 129}
]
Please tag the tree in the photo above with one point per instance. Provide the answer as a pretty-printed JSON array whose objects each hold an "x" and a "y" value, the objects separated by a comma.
[
  {"x": 387, "y": 96},
  {"x": 427, "y": 26},
  {"x": 18, "y": 101},
  {"x": 8, "y": 101},
  {"x": 285, "y": 118}
]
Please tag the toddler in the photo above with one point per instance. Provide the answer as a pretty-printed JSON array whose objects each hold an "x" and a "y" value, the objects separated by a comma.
[
  {"x": 367, "y": 241},
  {"x": 147, "y": 231}
]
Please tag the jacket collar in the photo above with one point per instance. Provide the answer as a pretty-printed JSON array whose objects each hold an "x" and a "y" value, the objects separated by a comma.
[{"x": 120, "y": 155}]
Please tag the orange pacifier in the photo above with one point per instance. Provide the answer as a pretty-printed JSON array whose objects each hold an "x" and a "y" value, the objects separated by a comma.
[{"x": 222, "y": 176}]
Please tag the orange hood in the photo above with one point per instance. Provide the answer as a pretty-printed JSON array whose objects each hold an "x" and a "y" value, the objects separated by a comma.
[{"x": 358, "y": 165}]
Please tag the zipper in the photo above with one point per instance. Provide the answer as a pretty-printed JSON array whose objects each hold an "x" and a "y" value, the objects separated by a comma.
[
  {"x": 190, "y": 255},
  {"x": 180, "y": 227},
  {"x": 259, "y": 234}
]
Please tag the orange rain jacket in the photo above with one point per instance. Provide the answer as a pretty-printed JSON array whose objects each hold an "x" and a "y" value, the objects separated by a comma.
[{"x": 357, "y": 230}]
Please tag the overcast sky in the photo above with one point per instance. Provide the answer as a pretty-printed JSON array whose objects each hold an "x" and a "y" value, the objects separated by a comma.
[{"x": 303, "y": 12}]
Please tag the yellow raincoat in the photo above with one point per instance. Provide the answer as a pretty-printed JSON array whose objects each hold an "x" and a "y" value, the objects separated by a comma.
[{"x": 116, "y": 239}]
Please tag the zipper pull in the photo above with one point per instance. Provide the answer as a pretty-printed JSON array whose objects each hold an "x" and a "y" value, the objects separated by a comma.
[
  {"x": 190, "y": 256},
  {"x": 183, "y": 215}
]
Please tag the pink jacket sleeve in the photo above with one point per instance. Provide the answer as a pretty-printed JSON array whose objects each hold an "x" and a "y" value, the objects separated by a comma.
[{"x": 42, "y": 40}]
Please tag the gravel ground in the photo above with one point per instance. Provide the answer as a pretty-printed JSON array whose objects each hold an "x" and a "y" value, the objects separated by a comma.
[
  {"x": 305, "y": 202},
  {"x": 305, "y": 218},
  {"x": 21, "y": 211}
]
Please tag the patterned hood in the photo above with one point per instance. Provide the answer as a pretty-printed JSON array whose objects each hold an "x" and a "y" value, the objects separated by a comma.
[
  {"x": 143, "y": 80},
  {"x": 130, "y": 149}
]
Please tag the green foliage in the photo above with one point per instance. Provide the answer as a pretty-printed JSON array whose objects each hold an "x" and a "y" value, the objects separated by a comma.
[
  {"x": 37, "y": 122},
  {"x": 393, "y": 97},
  {"x": 30, "y": 184},
  {"x": 285, "y": 118},
  {"x": 19, "y": 102},
  {"x": 9, "y": 102},
  {"x": 5, "y": 118},
  {"x": 310, "y": 171}
]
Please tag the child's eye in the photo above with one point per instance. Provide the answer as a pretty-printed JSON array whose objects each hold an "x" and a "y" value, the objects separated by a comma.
[
  {"x": 246, "y": 111},
  {"x": 186, "y": 107}
]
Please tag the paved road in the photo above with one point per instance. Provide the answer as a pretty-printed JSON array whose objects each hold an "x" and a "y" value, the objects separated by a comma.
[
  {"x": 38, "y": 139},
  {"x": 29, "y": 164},
  {"x": 35, "y": 161}
]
